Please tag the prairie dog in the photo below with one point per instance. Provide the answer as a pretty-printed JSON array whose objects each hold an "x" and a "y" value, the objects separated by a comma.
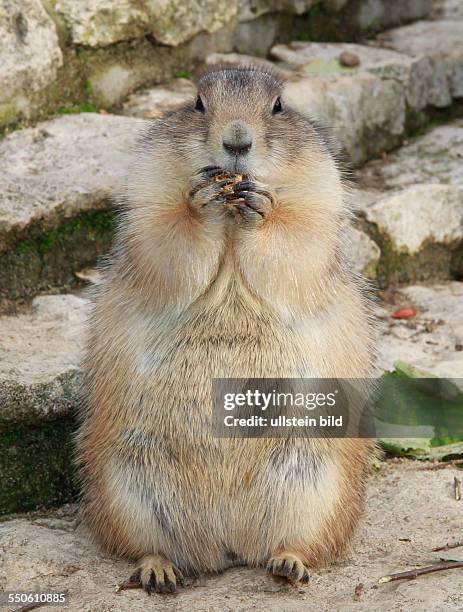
[{"x": 205, "y": 285}]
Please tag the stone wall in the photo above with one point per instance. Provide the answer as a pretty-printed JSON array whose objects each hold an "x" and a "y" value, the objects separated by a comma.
[{"x": 60, "y": 53}]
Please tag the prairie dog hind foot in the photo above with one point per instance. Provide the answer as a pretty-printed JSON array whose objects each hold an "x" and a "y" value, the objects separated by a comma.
[
  {"x": 157, "y": 574},
  {"x": 289, "y": 566}
]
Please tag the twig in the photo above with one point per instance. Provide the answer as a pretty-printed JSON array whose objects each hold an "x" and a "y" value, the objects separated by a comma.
[
  {"x": 124, "y": 586},
  {"x": 448, "y": 546},
  {"x": 31, "y": 606},
  {"x": 440, "y": 465},
  {"x": 410, "y": 574},
  {"x": 457, "y": 488}
]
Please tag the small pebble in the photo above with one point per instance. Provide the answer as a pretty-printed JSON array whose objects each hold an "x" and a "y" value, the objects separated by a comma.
[{"x": 351, "y": 60}]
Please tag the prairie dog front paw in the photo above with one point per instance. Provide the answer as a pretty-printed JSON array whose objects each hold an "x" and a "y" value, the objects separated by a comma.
[
  {"x": 250, "y": 201},
  {"x": 208, "y": 188}
]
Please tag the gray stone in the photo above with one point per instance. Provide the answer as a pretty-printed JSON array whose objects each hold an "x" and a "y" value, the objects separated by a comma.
[
  {"x": 440, "y": 41},
  {"x": 250, "y": 9},
  {"x": 448, "y": 9},
  {"x": 104, "y": 22},
  {"x": 365, "y": 113},
  {"x": 39, "y": 358},
  {"x": 117, "y": 71},
  {"x": 258, "y": 36},
  {"x": 424, "y": 81},
  {"x": 59, "y": 169},
  {"x": 319, "y": 58},
  {"x": 378, "y": 15},
  {"x": 418, "y": 216},
  {"x": 432, "y": 340},
  {"x": 155, "y": 101},
  {"x": 52, "y": 552},
  {"x": 435, "y": 157},
  {"x": 364, "y": 253},
  {"x": 30, "y": 57},
  {"x": 367, "y": 15}
]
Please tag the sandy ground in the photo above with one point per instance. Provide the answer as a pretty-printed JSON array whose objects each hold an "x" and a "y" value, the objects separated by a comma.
[{"x": 409, "y": 511}]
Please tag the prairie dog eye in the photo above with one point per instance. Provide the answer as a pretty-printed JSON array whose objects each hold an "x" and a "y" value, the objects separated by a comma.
[
  {"x": 277, "y": 108},
  {"x": 199, "y": 106}
]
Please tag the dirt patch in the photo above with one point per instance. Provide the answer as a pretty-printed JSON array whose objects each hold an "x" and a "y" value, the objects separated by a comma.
[{"x": 409, "y": 512}]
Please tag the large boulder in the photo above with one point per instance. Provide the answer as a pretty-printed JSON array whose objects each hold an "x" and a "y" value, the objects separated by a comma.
[
  {"x": 251, "y": 9},
  {"x": 56, "y": 185},
  {"x": 39, "y": 359},
  {"x": 413, "y": 201},
  {"x": 420, "y": 232},
  {"x": 365, "y": 113},
  {"x": 422, "y": 80},
  {"x": 100, "y": 23},
  {"x": 155, "y": 101},
  {"x": 448, "y": 9},
  {"x": 440, "y": 41},
  {"x": 30, "y": 57},
  {"x": 40, "y": 391},
  {"x": 434, "y": 157}
]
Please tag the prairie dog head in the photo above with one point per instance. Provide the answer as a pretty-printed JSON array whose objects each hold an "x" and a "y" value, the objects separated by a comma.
[
  {"x": 247, "y": 125},
  {"x": 242, "y": 117},
  {"x": 240, "y": 121}
]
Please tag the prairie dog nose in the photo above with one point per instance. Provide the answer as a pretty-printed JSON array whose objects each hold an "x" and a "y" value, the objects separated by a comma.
[{"x": 237, "y": 138}]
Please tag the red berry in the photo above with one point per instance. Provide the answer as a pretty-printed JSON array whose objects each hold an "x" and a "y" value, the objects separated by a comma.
[{"x": 404, "y": 313}]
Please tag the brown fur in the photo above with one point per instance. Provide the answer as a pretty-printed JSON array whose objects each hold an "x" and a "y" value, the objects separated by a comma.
[{"x": 192, "y": 293}]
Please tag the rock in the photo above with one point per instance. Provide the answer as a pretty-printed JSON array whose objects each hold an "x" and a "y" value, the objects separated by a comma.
[
  {"x": 40, "y": 390},
  {"x": 257, "y": 37},
  {"x": 117, "y": 71},
  {"x": 52, "y": 552},
  {"x": 55, "y": 189},
  {"x": 423, "y": 80},
  {"x": 355, "y": 108},
  {"x": 431, "y": 38},
  {"x": 378, "y": 15},
  {"x": 171, "y": 22},
  {"x": 39, "y": 359},
  {"x": 320, "y": 58},
  {"x": 364, "y": 254},
  {"x": 440, "y": 41},
  {"x": 351, "y": 60},
  {"x": 61, "y": 168},
  {"x": 432, "y": 340},
  {"x": 155, "y": 101},
  {"x": 448, "y": 9},
  {"x": 31, "y": 57},
  {"x": 434, "y": 157},
  {"x": 364, "y": 16},
  {"x": 251, "y": 9},
  {"x": 420, "y": 233},
  {"x": 418, "y": 215}
]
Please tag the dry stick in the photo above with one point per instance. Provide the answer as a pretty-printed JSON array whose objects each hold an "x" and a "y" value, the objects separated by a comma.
[
  {"x": 429, "y": 569},
  {"x": 440, "y": 465},
  {"x": 448, "y": 546},
  {"x": 124, "y": 586},
  {"x": 31, "y": 606},
  {"x": 457, "y": 488}
]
